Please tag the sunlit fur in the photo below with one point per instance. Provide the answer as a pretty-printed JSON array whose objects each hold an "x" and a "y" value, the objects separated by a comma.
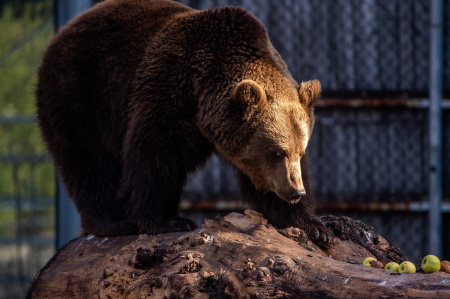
[{"x": 276, "y": 149}]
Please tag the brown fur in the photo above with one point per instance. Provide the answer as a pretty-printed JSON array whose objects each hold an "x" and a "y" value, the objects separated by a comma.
[{"x": 134, "y": 95}]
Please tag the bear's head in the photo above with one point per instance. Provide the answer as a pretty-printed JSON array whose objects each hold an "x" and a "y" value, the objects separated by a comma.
[
  {"x": 265, "y": 131},
  {"x": 283, "y": 126}
]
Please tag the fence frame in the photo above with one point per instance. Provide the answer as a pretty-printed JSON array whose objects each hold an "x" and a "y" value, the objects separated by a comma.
[{"x": 435, "y": 127}]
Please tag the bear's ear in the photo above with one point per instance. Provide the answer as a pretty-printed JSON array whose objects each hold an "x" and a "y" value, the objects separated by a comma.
[
  {"x": 308, "y": 92},
  {"x": 249, "y": 98}
]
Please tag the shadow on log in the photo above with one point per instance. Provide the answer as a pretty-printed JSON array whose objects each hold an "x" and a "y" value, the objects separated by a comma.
[{"x": 239, "y": 256}]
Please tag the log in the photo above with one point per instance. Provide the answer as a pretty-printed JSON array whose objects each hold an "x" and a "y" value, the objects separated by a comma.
[{"x": 238, "y": 256}]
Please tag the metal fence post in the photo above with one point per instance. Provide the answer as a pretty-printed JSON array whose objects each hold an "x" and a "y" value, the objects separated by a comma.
[
  {"x": 435, "y": 127},
  {"x": 68, "y": 220},
  {"x": 67, "y": 217}
]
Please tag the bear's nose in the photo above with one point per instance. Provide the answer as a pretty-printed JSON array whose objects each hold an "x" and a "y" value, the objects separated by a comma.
[{"x": 296, "y": 194}]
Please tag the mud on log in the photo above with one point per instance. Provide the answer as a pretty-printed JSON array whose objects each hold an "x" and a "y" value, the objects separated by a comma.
[{"x": 233, "y": 257}]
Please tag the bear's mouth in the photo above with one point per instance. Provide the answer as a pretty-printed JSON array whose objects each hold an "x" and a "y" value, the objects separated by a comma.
[
  {"x": 289, "y": 199},
  {"x": 294, "y": 201}
]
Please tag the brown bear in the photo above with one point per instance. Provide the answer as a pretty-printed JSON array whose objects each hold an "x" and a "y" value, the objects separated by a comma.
[{"x": 134, "y": 95}]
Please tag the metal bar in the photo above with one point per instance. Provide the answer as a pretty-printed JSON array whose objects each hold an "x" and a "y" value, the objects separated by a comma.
[
  {"x": 435, "y": 127},
  {"x": 17, "y": 119},
  {"x": 231, "y": 204},
  {"x": 68, "y": 220},
  {"x": 24, "y": 158},
  {"x": 415, "y": 103},
  {"x": 28, "y": 241},
  {"x": 210, "y": 205},
  {"x": 15, "y": 280},
  {"x": 8, "y": 201},
  {"x": 417, "y": 207},
  {"x": 67, "y": 9}
]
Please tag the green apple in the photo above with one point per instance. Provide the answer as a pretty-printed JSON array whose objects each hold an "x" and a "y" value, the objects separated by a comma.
[
  {"x": 368, "y": 260},
  {"x": 431, "y": 263},
  {"x": 407, "y": 267},
  {"x": 393, "y": 266}
]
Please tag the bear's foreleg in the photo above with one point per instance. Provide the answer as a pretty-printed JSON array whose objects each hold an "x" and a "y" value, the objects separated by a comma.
[
  {"x": 153, "y": 184},
  {"x": 158, "y": 156}
]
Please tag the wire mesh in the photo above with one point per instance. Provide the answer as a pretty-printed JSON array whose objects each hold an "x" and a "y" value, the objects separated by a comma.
[{"x": 380, "y": 153}]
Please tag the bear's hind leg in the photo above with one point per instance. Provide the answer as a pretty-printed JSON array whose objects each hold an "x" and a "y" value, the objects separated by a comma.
[{"x": 92, "y": 181}]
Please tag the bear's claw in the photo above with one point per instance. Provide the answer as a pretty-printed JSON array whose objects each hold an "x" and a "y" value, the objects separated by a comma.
[{"x": 320, "y": 235}]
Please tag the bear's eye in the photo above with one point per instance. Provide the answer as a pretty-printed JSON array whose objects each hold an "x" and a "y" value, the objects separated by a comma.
[{"x": 280, "y": 154}]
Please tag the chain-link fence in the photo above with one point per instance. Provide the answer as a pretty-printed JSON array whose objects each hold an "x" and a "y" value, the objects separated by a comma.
[
  {"x": 370, "y": 163},
  {"x": 370, "y": 155}
]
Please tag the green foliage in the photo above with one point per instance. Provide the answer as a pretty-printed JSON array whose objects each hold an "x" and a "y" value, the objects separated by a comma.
[
  {"x": 26, "y": 28},
  {"x": 22, "y": 42}
]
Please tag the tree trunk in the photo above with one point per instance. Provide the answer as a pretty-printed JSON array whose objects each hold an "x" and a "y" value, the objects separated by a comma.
[{"x": 233, "y": 257}]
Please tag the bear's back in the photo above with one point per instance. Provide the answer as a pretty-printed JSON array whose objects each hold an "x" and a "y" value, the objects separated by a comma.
[
  {"x": 87, "y": 72},
  {"x": 108, "y": 41}
]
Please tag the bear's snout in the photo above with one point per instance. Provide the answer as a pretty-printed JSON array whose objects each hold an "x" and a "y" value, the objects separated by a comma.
[{"x": 297, "y": 194}]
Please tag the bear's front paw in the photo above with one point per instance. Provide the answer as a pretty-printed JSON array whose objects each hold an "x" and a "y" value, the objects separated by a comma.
[
  {"x": 179, "y": 224},
  {"x": 320, "y": 234},
  {"x": 174, "y": 224}
]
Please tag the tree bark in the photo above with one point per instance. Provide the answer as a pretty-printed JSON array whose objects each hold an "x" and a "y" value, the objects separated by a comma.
[{"x": 239, "y": 256}]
